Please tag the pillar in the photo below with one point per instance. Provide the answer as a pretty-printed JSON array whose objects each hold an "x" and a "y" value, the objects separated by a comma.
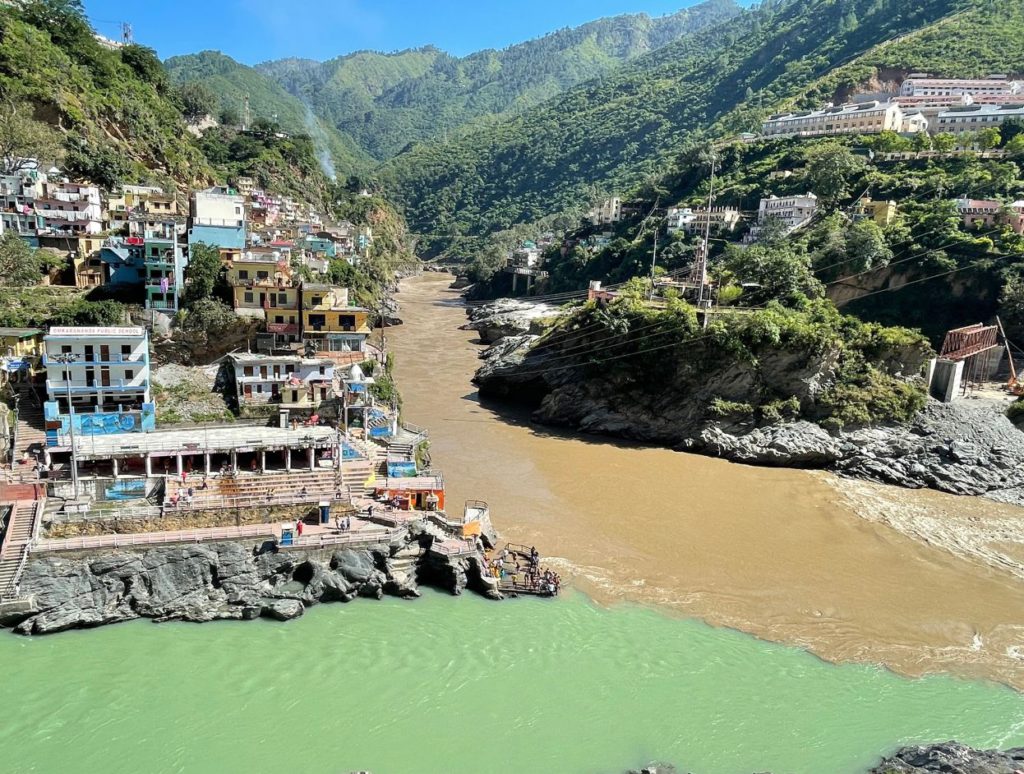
[
  {"x": 149, "y": 465},
  {"x": 263, "y": 460},
  {"x": 234, "y": 461},
  {"x": 181, "y": 464},
  {"x": 288, "y": 458},
  {"x": 115, "y": 466},
  {"x": 206, "y": 463},
  {"x": 312, "y": 458}
]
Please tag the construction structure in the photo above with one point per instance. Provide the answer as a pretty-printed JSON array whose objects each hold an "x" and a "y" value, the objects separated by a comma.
[{"x": 967, "y": 358}]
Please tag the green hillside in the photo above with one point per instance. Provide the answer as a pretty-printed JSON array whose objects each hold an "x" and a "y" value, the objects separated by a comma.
[
  {"x": 104, "y": 115},
  {"x": 386, "y": 101},
  {"x": 615, "y": 132},
  {"x": 268, "y": 100}
]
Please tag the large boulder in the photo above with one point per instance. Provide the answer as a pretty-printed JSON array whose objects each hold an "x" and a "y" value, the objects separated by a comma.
[{"x": 951, "y": 758}]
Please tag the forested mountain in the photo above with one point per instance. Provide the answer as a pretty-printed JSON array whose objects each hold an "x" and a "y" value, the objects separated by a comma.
[
  {"x": 616, "y": 131},
  {"x": 231, "y": 82},
  {"x": 386, "y": 101},
  {"x": 373, "y": 105}
]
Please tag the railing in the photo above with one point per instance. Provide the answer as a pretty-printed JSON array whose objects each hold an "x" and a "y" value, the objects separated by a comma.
[
  {"x": 96, "y": 384},
  {"x": 96, "y": 359},
  {"x": 12, "y": 590},
  {"x": 454, "y": 548},
  {"x": 154, "y": 538},
  {"x": 323, "y": 540},
  {"x": 474, "y": 505}
]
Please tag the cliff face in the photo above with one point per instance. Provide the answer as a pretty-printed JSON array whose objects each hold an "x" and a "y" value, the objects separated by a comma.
[{"x": 224, "y": 581}]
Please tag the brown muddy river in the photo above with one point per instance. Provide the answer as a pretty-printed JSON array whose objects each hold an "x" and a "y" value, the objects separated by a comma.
[{"x": 781, "y": 554}]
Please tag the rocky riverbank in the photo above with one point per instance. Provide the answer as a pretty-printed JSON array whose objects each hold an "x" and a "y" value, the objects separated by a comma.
[
  {"x": 968, "y": 447},
  {"x": 945, "y": 758},
  {"x": 507, "y": 317},
  {"x": 230, "y": 581}
]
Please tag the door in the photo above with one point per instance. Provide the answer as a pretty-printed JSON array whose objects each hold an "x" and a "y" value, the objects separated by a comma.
[
  {"x": 105, "y": 377},
  {"x": 105, "y": 353},
  {"x": 88, "y": 353}
]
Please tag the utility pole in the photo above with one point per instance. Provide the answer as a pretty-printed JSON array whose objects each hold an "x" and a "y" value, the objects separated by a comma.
[
  {"x": 66, "y": 360},
  {"x": 700, "y": 271},
  {"x": 246, "y": 117},
  {"x": 654, "y": 260},
  {"x": 126, "y": 33}
]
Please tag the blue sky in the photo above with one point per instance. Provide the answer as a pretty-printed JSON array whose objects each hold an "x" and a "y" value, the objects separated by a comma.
[{"x": 253, "y": 31}]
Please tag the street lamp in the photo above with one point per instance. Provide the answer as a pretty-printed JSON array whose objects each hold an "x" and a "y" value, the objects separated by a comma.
[{"x": 66, "y": 359}]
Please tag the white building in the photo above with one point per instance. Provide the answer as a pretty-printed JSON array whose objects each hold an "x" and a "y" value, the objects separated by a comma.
[
  {"x": 217, "y": 217},
  {"x": 18, "y": 194},
  {"x": 791, "y": 212},
  {"x": 525, "y": 257},
  {"x": 73, "y": 208},
  {"x": 290, "y": 380},
  {"x": 925, "y": 86},
  {"x": 608, "y": 211},
  {"x": 694, "y": 221},
  {"x": 971, "y": 118},
  {"x": 851, "y": 118},
  {"x": 104, "y": 371}
]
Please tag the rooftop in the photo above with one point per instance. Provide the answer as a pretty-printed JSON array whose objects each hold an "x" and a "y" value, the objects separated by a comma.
[
  {"x": 247, "y": 358},
  {"x": 198, "y": 441},
  {"x": 21, "y": 333}
]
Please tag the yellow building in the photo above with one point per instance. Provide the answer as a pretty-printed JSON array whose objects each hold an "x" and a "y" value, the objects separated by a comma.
[
  {"x": 20, "y": 350},
  {"x": 883, "y": 213},
  {"x": 329, "y": 321}
]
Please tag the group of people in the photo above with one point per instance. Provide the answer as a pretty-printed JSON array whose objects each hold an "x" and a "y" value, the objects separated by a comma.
[
  {"x": 189, "y": 494},
  {"x": 343, "y": 524},
  {"x": 534, "y": 578}
]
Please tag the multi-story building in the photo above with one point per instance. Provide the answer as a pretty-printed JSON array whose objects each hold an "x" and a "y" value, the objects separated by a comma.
[
  {"x": 164, "y": 263},
  {"x": 525, "y": 257},
  {"x": 292, "y": 381},
  {"x": 695, "y": 221},
  {"x": 851, "y": 118},
  {"x": 330, "y": 322},
  {"x": 790, "y": 212},
  {"x": 608, "y": 211},
  {"x": 971, "y": 118},
  {"x": 989, "y": 213},
  {"x": 245, "y": 185},
  {"x": 18, "y": 194},
  {"x": 918, "y": 85},
  {"x": 882, "y": 213},
  {"x": 103, "y": 373},
  {"x": 217, "y": 217},
  {"x": 130, "y": 200},
  {"x": 70, "y": 208}
]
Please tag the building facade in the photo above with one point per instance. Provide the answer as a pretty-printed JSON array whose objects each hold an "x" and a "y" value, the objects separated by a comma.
[
  {"x": 851, "y": 118},
  {"x": 329, "y": 322},
  {"x": 103, "y": 374},
  {"x": 608, "y": 211},
  {"x": 790, "y": 212},
  {"x": 217, "y": 217},
  {"x": 971, "y": 118},
  {"x": 695, "y": 221},
  {"x": 70, "y": 208},
  {"x": 927, "y": 86},
  {"x": 291, "y": 381}
]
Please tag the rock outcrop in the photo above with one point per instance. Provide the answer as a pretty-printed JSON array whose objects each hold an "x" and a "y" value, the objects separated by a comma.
[
  {"x": 507, "y": 317},
  {"x": 968, "y": 447},
  {"x": 951, "y": 758},
  {"x": 230, "y": 580}
]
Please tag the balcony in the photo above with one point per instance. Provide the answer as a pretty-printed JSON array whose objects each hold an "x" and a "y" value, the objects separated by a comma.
[
  {"x": 96, "y": 385},
  {"x": 94, "y": 359},
  {"x": 283, "y": 328}
]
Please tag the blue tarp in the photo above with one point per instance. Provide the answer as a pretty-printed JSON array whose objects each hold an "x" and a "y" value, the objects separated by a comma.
[{"x": 401, "y": 469}]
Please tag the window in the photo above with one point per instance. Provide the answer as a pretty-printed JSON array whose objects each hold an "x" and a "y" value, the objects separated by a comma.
[
  {"x": 126, "y": 349},
  {"x": 129, "y": 374},
  {"x": 65, "y": 349},
  {"x": 316, "y": 300},
  {"x": 247, "y": 371},
  {"x": 243, "y": 274},
  {"x": 282, "y": 298},
  {"x": 259, "y": 389},
  {"x": 262, "y": 275},
  {"x": 248, "y": 298},
  {"x": 279, "y": 318}
]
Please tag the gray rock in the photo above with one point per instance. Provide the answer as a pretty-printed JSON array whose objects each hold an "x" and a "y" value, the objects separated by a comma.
[
  {"x": 283, "y": 609},
  {"x": 951, "y": 758},
  {"x": 507, "y": 317}
]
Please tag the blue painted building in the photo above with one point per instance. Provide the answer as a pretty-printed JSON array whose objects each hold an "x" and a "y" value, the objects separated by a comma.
[
  {"x": 217, "y": 217},
  {"x": 123, "y": 263}
]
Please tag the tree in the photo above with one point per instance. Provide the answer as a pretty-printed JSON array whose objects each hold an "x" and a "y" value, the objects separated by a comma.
[
  {"x": 19, "y": 263},
  {"x": 866, "y": 246},
  {"x": 229, "y": 116},
  {"x": 1015, "y": 147},
  {"x": 830, "y": 169},
  {"x": 782, "y": 272},
  {"x": 922, "y": 141},
  {"x": 23, "y": 139},
  {"x": 988, "y": 138},
  {"x": 203, "y": 272},
  {"x": 146, "y": 64},
  {"x": 1011, "y": 302},
  {"x": 197, "y": 101},
  {"x": 944, "y": 142}
]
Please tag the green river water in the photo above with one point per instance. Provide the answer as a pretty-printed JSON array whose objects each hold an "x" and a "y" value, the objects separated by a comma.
[{"x": 465, "y": 686}]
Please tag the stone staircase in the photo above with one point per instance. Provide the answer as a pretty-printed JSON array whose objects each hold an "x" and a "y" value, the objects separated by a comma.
[{"x": 20, "y": 528}]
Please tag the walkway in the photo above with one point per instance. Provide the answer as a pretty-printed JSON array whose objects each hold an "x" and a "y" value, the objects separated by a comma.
[{"x": 21, "y": 527}]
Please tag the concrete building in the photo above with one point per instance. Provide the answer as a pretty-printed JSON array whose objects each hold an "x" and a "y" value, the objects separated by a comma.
[
  {"x": 851, "y": 118},
  {"x": 882, "y": 213},
  {"x": 608, "y": 211},
  {"x": 971, "y": 118},
  {"x": 928, "y": 86},
  {"x": 989, "y": 214},
  {"x": 525, "y": 257},
  {"x": 20, "y": 353},
  {"x": 695, "y": 221},
  {"x": 164, "y": 264},
  {"x": 217, "y": 217},
  {"x": 18, "y": 194},
  {"x": 791, "y": 212},
  {"x": 292, "y": 381},
  {"x": 103, "y": 373},
  {"x": 330, "y": 322},
  {"x": 70, "y": 208}
]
